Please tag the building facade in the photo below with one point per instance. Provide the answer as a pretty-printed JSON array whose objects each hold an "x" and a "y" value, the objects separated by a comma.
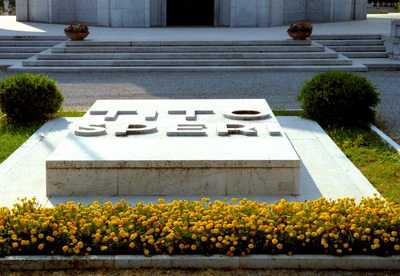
[{"x": 162, "y": 13}]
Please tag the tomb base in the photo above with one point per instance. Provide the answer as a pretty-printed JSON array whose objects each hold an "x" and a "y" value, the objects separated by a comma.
[{"x": 175, "y": 147}]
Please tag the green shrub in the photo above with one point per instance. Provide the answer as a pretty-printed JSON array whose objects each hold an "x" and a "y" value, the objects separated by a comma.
[
  {"x": 339, "y": 99},
  {"x": 27, "y": 98}
]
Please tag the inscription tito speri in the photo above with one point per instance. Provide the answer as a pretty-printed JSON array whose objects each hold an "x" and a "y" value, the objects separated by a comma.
[{"x": 232, "y": 122}]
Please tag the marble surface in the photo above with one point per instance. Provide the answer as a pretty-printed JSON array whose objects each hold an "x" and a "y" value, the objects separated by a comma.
[{"x": 209, "y": 147}]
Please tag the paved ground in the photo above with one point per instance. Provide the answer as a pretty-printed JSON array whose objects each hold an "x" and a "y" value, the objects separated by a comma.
[
  {"x": 280, "y": 89},
  {"x": 209, "y": 272}
]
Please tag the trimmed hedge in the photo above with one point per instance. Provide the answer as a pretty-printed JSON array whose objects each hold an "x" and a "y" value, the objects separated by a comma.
[
  {"x": 27, "y": 98},
  {"x": 341, "y": 227},
  {"x": 339, "y": 99}
]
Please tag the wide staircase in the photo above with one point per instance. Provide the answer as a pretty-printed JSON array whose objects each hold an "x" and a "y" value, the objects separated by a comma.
[
  {"x": 354, "y": 46},
  {"x": 129, "y": 56},
  {"x": 22, "y": 47}
]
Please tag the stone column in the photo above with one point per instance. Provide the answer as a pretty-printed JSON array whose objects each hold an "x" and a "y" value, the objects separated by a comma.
[
  {"x": 6, "y": 6},
  {"x": 360, "y": 9},
  {"x": 393, "y": 44},
  {"x": 243, "y": 13},
  {"x": 294, "y": 10},
  {"x": 147, "y": 13},
  {"x": 103, "y": 13},
  {"x": 319, "y": 10},
  {"x": 62, "y": 11},
  {"x": 275, "y": 11},
  {"x": 22, "y": 7}
]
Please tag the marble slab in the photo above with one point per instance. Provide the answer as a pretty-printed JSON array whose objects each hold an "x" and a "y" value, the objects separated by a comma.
[{"x": 175, "y": 147}]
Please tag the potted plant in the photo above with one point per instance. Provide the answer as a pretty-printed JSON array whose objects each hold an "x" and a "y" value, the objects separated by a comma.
[
  {"x": 300, "y": 30},
  {"x": 77, "y": 32}
]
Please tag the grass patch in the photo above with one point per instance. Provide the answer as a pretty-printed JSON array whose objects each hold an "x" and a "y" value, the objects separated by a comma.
[
  {"x": 377, "y": 161},
  {"x": 288, "y": 113},
  {"x": 12, "y": 137},
  {"x": 70, "y": 114}
]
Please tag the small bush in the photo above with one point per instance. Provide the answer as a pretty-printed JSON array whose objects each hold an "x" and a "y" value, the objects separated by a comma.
[
  {"x": 341, "y": 227},
  {"x": 27, "y": 98},
  {"x": 339, "y": 99}
]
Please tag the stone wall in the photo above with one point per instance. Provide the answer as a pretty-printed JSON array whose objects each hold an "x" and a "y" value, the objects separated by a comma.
[{"x": 146, "y": 13}]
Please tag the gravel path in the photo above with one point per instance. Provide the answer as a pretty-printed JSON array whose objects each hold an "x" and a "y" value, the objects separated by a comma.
[{"x": 280, "y": 89}]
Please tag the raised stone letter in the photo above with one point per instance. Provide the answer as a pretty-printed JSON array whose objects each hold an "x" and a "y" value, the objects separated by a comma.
[
  {"x": 274, "y": 129},
  {"x": 246, "y": 115},
  {"x": 228, "y": 129},
  {"x": 136, "y": 129},
  {"x": 112, "y": 114},
  {"x": 91, "y": 130},
  {"x": 188, "y": 130},
  {"x": 149, "y": 115},
  {"x": 191, "y": 114}
]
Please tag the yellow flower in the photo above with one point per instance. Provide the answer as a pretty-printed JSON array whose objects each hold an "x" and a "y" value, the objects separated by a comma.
[
  {"x": 103, "y": 248},
  {"x": 41, "y": 246},
  {"x": 25, "y": 242},
  {"x": 65, "y": 248},
  {"x": 50, "y": 238}
]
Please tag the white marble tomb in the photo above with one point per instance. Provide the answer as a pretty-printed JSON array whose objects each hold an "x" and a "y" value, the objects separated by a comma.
[{"x": 175, "y": 147}]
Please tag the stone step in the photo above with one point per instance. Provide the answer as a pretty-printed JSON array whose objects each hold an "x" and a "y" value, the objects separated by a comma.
[
  {"x": 188, "y": 62},
  {"x": 358, "y": 48},
  {"x": 182, "y": 49},
  {"x": 87, "y": 43},
  {"x": 347, "y": 37},
  {"x": 15, "y": 55},
  {"x": 222, "y": 55},
  {"x": 15, "y": 43},
  {"x": 33, "y": 38},
  {"x": 384, "y": 67},
  {"x": 365, "y": 54},
  {"x": 352, "y": 68},
  {"x": 22, "y": 49},
  {"x": 351, "y": 42}
]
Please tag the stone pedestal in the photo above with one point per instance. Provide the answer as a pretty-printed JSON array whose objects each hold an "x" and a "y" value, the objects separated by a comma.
[{"x": 175, "y": 147}]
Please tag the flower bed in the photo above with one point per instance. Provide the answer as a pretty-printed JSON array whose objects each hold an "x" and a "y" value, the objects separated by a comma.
[{"x": 341, "y": 227}]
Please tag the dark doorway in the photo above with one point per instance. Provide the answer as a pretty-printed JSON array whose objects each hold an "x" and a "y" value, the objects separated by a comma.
[{"x": 190, "y": 12}]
